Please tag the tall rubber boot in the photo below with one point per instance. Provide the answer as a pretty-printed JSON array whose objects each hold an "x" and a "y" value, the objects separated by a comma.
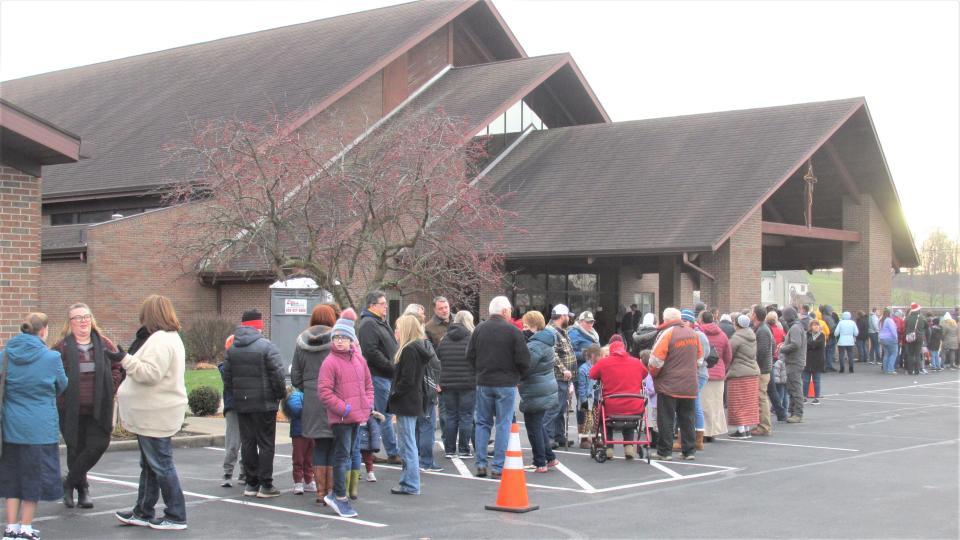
[
  {"x": 699, "y": 444},
  {"x": 353, "y": 484},
  {"x": 320, "y": 477}
]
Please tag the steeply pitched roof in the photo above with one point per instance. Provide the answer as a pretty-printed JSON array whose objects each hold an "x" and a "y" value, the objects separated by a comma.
[
  {"x": 129, "y": 108},
  {"x": 656, "y": 186}
]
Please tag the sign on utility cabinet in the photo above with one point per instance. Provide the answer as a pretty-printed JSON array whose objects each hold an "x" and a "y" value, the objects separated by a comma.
[{"x": 295, "y": 306}]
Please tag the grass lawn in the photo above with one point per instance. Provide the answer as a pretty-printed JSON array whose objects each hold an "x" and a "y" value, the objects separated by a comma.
[
  {"x": 827, "y": 288},
  {"x": 203, "y": 377}
]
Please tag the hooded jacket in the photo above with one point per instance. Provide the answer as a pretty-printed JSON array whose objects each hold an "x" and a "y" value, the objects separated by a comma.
[
  {"x": 827, "y": 323},
  {"x": 846, "y": 331},
  {"x": 719, "y": 342},
  {"x": 253, "y": 372},
  {"x": 455, "y": 372},
  {"x": 646, "y": 334},
  {"x": 538, "y": 387},
  {"x": 674, "y": 361},
  {"x": 580, "y": 339},
  {"x": 949, "y": 328},
  {"x": 621, "y": 373},
  {"x": 377, "y": 343},
  {"x": 313, "y": 346},
  {"x": 408, "y": 397},
  {"x": 344, "y": 380},
  {"x": 743, "y": 346},
  {"x": 793, "y": 352},
  {"x": 35, "y": 378},
  {"x": 765, "y": 347}
]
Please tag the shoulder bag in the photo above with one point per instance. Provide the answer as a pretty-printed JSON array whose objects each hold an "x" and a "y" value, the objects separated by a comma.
[{"x": 912, "y": 336}]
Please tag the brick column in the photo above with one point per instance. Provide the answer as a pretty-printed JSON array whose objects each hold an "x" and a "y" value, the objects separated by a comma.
[
  {"x": 867, "y": 265},
  {"x": 736, "y": 267},
  {"x": 670, "y": 286},
  {"x": 19, "y": 248}
]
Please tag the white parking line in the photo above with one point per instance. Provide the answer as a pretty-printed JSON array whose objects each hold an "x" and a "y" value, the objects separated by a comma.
[
  {"x": 663, "y": 480},
  {"x": 785, "y": 444},
  {"x": 670, "y": 472},
  {"x": 354, "y": 521},
  {"x": 461, "y": 467},
  {"x": 577, "y": 479},
  {"x": 885, "y": 402},
  {"x": 124, "y": 494},
  {"x": 890, "y": 389}
]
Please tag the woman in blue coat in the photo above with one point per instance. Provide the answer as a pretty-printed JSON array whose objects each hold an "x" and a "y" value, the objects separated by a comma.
[
  {"x": 30, "y": 464},
  {"x": 538, "y": 389}
]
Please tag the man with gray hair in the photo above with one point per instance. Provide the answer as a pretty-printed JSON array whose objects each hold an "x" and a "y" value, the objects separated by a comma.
[
  {"x": 498, "y": 353},
  {"x": 674, "y": 361}
]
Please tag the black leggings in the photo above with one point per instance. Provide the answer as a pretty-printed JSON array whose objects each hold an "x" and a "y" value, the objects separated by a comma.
[{"x": 323, "y": 452}]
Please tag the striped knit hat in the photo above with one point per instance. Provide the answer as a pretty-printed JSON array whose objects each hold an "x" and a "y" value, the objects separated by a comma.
[{"x": 344, "y": 325}]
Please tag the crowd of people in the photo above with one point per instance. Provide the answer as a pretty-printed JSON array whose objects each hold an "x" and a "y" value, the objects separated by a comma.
[{"x": 358, "y": 386}]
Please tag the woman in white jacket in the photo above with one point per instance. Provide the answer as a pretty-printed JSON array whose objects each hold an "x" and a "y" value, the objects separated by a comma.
[{"x": 153, "y": 400}]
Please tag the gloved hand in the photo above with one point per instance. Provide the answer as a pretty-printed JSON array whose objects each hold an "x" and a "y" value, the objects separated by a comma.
[
  {"x": 115, "y": 357},
  {"x": 346, "y": 410}
]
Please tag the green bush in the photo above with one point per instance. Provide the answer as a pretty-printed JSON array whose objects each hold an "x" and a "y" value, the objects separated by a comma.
[
  {"x": 203, "y": 339},
  {"x": 204, "y": 401}
]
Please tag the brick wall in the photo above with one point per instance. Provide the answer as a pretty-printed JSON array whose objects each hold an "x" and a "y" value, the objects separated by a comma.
[
  {"x": 63, "y": 283},
  {"x": 867, "y": 277},
  {"x": 132, "y": 258},
  {"x": 736, "y": 265},
  {"x": 19, "y": 248},
  {"x": 235, "y": 298}
]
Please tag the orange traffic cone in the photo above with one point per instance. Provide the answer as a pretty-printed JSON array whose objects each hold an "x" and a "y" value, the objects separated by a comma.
[
  {"x": 512, "y": 496},
  {"x": 811, "y": 391}
]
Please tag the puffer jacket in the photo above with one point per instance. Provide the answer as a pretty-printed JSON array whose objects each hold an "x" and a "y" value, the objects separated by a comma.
[
  {"x": 345, "y": 380},
  {"x": 847, "y": 331},
  {"x": 743, "y": 346},
  {"x": 580, "y": 339},
  {"x": 455, "y": 372},
  {"x": 408, "y": 396},
  {"x": 793, "y": 352},
  {"x": 253, "y": 372},
  {"x": 815, "y": 352},
  {"x": 949, "y": 328},
  {"x": 538, "y": 387},
  {"x": 718, "y": 342},
  {"x": 313, "y": 346},
  {"x": 779, "y": 372},
  {"x": 645, "y": 337},
  {"x": 765, "y": 346}
]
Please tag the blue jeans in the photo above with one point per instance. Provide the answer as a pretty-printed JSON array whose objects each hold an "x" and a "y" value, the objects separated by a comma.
[
  {"x": 875, "y": 355},
  {"x": 539, "y": 442},
  {"x": 553, "y": 418},
  {"x": 698, "y": 410},
  {"x": 344, "y": 444},
  {"x": 426, "y": 435},
  {"x": 381, "y": 393},
  {"x": 829, "y": 353},
  {"x": 784, "y": 397},
  {"x": 815, "y": 375},
  {"x": 776, "y": 403},
  {"x": 494, "y": 402},
  {"x": 935, "y": 360},
  {"x": 159, "y": 475},
  {"x": 410, "y": 477},
  {"x": 861, "y": 350},
  {"x": 458, "y": 407},
  {"x": 890, "y": 351}
]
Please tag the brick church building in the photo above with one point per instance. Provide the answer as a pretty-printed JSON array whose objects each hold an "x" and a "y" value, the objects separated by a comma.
[{"x": 656, "y": 209}]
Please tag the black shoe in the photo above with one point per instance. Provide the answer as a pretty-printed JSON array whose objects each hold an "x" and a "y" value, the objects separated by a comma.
[
  {"x": 833, "y": 370},
  {"x": 554, "y": 445},
  {"x": 68, "y": 495},
  {"x": 400, "y": 491},
  {"x": 481, "y": 472},
  {"x": 495, "y": 475},
  {"x": 83, "y": 498},
  {"x": 841, "y": 370}
]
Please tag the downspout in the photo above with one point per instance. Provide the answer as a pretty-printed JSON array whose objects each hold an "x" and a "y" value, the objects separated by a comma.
[{"x": 701, "y": 271}]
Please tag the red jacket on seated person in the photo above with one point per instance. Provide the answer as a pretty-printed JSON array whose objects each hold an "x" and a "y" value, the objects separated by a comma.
[{"x": 620, "y": 373}]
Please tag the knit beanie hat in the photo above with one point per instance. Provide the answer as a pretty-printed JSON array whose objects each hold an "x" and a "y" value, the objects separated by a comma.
[
  {"x": 344, "y": 325},
  {"x": 743, "y": 321},
  {"x": 687, "y": 315}
]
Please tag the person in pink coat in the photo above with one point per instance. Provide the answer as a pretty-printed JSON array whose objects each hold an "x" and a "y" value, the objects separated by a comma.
[{"x": 345, "y": 388}]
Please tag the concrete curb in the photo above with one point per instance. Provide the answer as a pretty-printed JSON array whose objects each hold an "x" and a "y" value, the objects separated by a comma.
[{"x": 185, "y": 441}]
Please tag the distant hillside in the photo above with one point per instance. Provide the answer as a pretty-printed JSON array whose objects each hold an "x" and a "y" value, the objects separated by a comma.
[{"x": 827, "y": 288}]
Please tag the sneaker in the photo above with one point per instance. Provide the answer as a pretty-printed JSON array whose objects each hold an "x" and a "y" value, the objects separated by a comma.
[
  {"x": 311, "y": 487},
  {"x": 816, "y": 401},
  {"x": 242, "y": 478},
  {"x": 401, "y": 491},
  {"x": 298, "y": 488},
  {"x": 166, "y": 524},
  {"x": 689, "y": 457},
  {"x": 432, "y": 468},
  {"x": 10, "y": 534},
  {"x": 250, "y": 491},
  {"x": 341, "y": 507},
  {"x": 738, "y": 435},
  {"x": 757, "y": 432},
  {"x": 804, "y": 400},
  {"x": 466, "y": 455},
  {"x": 795, "y": 420},
  {"x": 226, "y": 481},
  {"x": 394, "y": 460},
  {"x": 657, "y": 456},
  {"x": 32, "y": 535},
  {"x": 371, "y": 477},
  {"x": 542, "y": 469},
  {"x": 268, "y": 492},
  {"x": 449, "y": 455},
  {"x": 553, "y": 463},
  {"x": 129, "y": 518}
]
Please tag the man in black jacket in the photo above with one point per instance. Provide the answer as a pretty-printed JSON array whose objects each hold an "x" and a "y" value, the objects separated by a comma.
[
  {"x": 765, "y": 362},
  {"x": 378, "y": 345},
  {"x": 499, "y": 354},
  {"x": 253, "y": 374}
]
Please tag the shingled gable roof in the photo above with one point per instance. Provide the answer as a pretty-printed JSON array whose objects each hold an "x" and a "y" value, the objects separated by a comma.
[
  {"x": 133, "y": 106},
  {"x": 665, "y": 185},
  {"x": 474, "y": 94}
]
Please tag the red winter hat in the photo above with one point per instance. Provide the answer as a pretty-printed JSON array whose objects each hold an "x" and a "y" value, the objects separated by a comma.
[{"x": 914, "y": 307}]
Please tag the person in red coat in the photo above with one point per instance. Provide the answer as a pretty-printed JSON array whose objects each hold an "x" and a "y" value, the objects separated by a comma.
[{"x": 621, "y": 373}]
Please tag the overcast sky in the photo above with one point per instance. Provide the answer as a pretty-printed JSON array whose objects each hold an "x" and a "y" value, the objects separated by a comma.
[{"x": 642, "y": 59}]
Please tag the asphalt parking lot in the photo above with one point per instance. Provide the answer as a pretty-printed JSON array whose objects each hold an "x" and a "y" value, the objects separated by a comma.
[{"x": 878, "y": 459}]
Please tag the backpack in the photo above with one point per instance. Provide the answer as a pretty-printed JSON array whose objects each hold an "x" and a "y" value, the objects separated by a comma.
[{"x": 712, "y": 358}]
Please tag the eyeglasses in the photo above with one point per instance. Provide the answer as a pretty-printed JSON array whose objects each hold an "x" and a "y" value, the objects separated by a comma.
[
  {"x": 383, "y": 303},
  {"x": 79, "y": 318},
  {"x": 341, "y": 338}
]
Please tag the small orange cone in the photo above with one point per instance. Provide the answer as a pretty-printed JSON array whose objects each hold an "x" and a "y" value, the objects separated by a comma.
[
  {"x": 512, "y": 496},
  {"x": 811, "y": 391}
]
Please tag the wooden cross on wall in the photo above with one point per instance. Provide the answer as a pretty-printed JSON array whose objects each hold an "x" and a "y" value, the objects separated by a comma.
[{"x": 810, "y": 180}]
